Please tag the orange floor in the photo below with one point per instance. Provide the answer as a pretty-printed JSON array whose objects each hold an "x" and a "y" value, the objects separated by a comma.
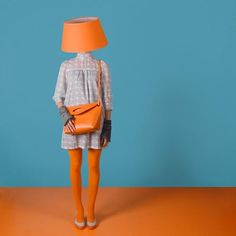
[{"x": 163, "y": 211}]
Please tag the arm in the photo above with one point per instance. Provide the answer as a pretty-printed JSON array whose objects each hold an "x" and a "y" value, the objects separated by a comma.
[
  {"x": 60, "y": 94},
  {"x": 59, "y": 104},
  {"x": 108, "y": 114},
  {"x": 61, "y": 85},
  {"x": 106, "y": 86}
]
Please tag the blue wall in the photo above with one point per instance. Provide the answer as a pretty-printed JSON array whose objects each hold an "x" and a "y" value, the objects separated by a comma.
[{"x": 174, "y": 82}]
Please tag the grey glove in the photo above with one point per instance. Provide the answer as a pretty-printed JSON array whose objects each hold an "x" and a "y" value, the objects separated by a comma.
[
  {"x": 65, "y": 115},
  {"x": 106, "y": 130}
]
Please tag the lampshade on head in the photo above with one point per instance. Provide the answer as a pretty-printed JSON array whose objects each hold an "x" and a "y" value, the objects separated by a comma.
[{"x": 83, "y": 34}]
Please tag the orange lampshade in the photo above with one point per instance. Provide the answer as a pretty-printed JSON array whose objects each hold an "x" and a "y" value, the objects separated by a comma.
[{"x": 83, "y": 34}]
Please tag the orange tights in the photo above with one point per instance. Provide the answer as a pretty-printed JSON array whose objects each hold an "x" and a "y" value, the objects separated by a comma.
[{"x": 76, "y": 180}]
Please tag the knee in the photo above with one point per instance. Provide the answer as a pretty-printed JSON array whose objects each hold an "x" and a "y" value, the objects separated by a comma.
[
  {"x": 94, "y": 167},
  {"x": 75, "y": 167}
]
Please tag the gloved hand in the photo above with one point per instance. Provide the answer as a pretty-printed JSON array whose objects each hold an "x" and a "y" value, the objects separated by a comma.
[
  {"x": 65, "y": 115},
  {"x": 106, "y": 130}
]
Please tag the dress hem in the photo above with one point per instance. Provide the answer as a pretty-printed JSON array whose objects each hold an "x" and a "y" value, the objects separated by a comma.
[{"x": 83, "y": 147}]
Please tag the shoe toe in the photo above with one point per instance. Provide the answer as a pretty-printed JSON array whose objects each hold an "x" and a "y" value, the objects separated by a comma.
[
  {"x": 80, "y": 225},
  {"x": 91, "y": 225}
]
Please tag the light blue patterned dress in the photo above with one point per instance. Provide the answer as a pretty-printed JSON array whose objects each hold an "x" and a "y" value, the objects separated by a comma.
[{"x": 77, "y": 84}]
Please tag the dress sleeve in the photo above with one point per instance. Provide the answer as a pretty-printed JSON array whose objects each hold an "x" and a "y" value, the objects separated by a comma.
[
  {"x": 61, "y": 86},
  {"x": 106, "y": 86}
]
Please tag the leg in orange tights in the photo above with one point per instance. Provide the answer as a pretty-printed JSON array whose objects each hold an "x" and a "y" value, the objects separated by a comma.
[
  {"x": 93, "y": 183},
  {"x": 76, "y": 180}
]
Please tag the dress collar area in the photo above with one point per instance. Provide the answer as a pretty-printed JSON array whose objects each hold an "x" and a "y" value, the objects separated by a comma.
[{"x": 84, "y": 55}]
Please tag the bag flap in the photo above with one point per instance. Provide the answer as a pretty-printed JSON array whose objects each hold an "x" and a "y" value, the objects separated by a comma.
[{"x": 76, "y": 110}]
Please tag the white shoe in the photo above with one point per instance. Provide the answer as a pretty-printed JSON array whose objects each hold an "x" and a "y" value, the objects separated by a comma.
[
  {"x": 80, "y": 225},
  {"x": 92, "y": 224}
]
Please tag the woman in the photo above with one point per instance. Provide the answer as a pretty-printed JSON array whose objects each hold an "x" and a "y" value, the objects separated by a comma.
[{"x": 77, "y": 84}]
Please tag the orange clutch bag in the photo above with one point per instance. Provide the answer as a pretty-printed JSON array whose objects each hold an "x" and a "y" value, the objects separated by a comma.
[{"x": 87, "y": 116}]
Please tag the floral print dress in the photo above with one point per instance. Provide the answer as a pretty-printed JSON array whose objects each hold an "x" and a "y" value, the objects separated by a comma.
[{"x": 77, "y": 84}]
